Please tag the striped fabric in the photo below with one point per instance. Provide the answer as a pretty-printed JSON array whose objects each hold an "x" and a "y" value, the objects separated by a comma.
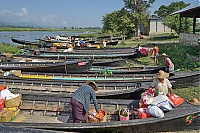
[{"x": 83, "y": 94}]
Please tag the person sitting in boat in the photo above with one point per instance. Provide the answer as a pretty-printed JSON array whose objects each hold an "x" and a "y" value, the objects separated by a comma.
[
  {"x": 160, "y": 85},
  {"x": 70, "y": 48},
  {"x": 169, "y": 66},
  {"x": 104, "y": 43},
  {"x": 80, "y": 101},
  {"x": 81, "y": 42}
]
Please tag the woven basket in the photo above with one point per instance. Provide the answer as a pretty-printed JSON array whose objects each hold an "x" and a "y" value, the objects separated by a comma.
[
  {"x": 14, "y": 102},
  {"x": 94, "y": 120}
]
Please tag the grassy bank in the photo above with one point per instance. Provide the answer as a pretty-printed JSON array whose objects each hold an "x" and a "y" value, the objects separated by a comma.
[
  {"x": 7, "y": 48},
  {"x": 50, "y": 29}
]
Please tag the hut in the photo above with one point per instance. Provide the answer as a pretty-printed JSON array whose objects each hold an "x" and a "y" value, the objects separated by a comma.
[{"x": 192, "y": 11}]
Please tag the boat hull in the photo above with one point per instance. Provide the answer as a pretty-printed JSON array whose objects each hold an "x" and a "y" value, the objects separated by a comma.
[{"x": 78, "y": 66}]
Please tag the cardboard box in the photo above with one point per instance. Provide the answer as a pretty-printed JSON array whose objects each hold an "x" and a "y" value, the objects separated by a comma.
[
  {"x": 6, "y": 116},
  {"x": 15, "y": 111}
]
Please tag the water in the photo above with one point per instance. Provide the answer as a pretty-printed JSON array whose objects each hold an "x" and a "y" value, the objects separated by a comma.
[{"x": 30, "y": 36}]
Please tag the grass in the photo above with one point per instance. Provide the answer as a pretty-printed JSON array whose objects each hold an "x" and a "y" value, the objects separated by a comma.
[
  {"x": 188, "y": 93},
  {"x": 7, "y": 48}
]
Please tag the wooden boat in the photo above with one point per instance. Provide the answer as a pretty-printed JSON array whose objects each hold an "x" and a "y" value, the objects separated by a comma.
[
  {"x": 31, "y": 43},
  {"x": 77, "y": 66},
  {"x": 110, "y": 63},
  {"x": 133, "y": 92},
  {"x": 78, "y": 56},
  {"x": 112, "y": 90},
  {"x": 112, "y": 43},
  {"x": 25, "y": 42},
  {"x": 96, "y": 62},
  {"x": 104, "y": 49},
  {"x": 61, "y": 51},
  {"x": 55, "y": 115},
  {"x": 127, "y": 70},
  {"x": 179, "y": 80}
]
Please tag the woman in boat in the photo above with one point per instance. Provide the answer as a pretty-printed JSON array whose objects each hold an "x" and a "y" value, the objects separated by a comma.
[
  {"x": 70, "y": 48},
  {"x": 160, "y": 85},
  {"x": 80, "y": 101},
  {"x": 169, "y": 66}
]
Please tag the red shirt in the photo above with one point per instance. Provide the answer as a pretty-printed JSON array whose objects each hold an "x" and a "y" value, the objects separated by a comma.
[{"x": 155, "y": 49}]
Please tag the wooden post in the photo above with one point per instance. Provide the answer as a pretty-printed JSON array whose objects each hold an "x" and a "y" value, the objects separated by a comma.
[
  {"x": 194, "y": 24},
  {"x": 180, "y": 28}
]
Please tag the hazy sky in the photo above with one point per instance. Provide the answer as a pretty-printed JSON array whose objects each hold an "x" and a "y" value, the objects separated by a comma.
[{"x": 68, "y": 13}]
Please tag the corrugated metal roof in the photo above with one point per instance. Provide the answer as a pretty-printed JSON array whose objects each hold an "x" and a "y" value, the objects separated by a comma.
[{"x": 188, "y": 8}]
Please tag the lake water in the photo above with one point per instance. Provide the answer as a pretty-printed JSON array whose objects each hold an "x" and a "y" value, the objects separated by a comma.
[{"x": 30, "y": 36}]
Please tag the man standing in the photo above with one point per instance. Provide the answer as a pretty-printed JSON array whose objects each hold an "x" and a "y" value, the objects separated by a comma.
[
  {"x": 156, "y": 54},
  {"x": 80, "y": 101}
]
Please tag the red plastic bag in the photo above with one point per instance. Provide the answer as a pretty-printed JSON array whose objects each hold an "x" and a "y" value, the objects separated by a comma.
[
  {"x": 147, "y": 97},
  {"x": 175, "y": 100},
  {"x": 3, "y": 87},
  {"x": 1, "y": 104}
]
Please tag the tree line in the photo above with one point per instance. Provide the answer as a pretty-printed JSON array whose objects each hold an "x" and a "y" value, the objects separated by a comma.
[{"x": 127, "y": 20}]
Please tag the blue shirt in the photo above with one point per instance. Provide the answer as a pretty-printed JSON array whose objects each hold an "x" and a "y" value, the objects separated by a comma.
[{"x": 83, "y": 94}]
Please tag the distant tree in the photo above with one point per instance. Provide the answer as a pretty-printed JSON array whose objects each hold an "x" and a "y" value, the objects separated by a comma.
[{"x": 173, "y": 22}]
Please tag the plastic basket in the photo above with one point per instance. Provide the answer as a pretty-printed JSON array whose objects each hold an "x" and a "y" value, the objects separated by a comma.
[
  {"x": 14, "y": 102},
  {"x": 124, "y": 118}
]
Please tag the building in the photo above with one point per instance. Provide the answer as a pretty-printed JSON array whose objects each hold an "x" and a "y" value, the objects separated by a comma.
[
  {"x": 192, "y": 11},
  {"x": 155, "y": 26}
]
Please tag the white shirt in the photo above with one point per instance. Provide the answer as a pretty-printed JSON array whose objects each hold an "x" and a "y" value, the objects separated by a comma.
[{"x": 161, "y": 87}]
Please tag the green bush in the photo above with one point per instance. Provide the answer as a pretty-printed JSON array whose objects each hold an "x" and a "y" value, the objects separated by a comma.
[{"x": 183, "y": 56}]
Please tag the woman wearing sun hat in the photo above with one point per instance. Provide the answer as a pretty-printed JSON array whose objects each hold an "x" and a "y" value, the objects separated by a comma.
[
  {"x": 169, "y": 66},
  {"x": 161, "y": 84},
  {"x": 80, "y": 101}
]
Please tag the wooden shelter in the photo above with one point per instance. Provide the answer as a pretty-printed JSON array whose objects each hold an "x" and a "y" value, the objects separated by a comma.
[{"x": 192, "y": 11}]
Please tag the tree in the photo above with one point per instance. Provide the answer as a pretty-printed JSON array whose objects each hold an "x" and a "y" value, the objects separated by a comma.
[
  {"x": 121, "y": 21},
  {"x": 140, "y": 8},
  {"x": 173, "y": 22}
]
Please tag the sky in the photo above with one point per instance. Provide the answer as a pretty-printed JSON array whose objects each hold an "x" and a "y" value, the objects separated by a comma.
[{"x": 66, "y": 13}]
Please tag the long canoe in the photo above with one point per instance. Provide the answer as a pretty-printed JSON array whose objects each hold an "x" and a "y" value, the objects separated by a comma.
[
  {"x": 127, "y": 70},
  {"x": 76, "y": 66},
  {"x": 180, "y": 79},
  {"x": 59, "y": 51},
  {"x": 78, "y": 56},
  {"x": 25, "y": 42},
  {"x": 107, "y": 89},
  {"x": 54, "y": 114},
  {"x": 110, "y": 63},
  {"x": 96, "y": 62}
]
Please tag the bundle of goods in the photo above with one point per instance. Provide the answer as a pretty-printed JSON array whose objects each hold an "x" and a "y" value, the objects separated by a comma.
[
  {"x": 93, "y": 116},
  {"x": 162, "y": 104},
  {"x": 9, "y": 104},
  {"x": 157, "y": 106}
]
